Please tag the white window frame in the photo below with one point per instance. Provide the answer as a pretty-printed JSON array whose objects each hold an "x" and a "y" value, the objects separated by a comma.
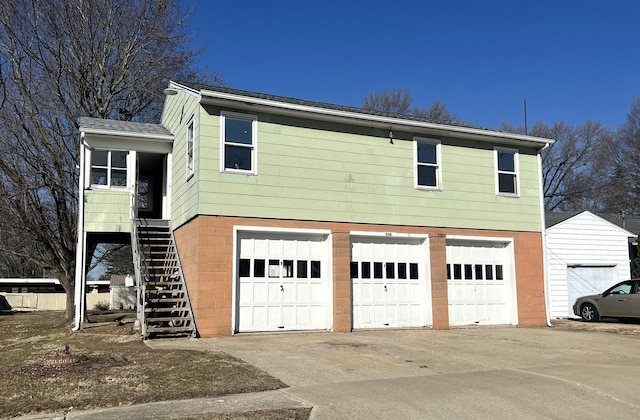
[
  {"x": 191, "y": 146},
  {"x": 254, "y": 142},
  {"x": 437, "y": 165},
  {"x": 515, "y": 173},
  {"x": 109, "y": 169}
]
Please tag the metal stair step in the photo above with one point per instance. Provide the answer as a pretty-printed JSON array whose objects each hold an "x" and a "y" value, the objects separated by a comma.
[
  {"x": 155, "y": 309},
  {"x": 151, "y": 301},
  {"x": 155, "y": 330},
  {"x": 153, "y": 320}
]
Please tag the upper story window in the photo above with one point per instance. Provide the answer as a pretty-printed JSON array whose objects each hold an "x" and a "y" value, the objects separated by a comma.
[
  {"x": 428, "y": 171},
  {"x": 239, "y": 143},
  {"x": 109, "y": 168},
  {"x": 507, "y": 180},
  {"x": 190, "y": 146}
]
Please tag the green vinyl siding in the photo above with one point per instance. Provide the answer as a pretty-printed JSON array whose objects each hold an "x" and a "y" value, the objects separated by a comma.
[
  {"x": 312, "y": 170},
  {"x": 107, "y": 211},
  {"x": 178, "y": 112}
]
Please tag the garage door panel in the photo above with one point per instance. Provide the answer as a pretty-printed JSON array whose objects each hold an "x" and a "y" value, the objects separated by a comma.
[
  {"x": 285, "y": 284},
  {"x": 389, "y": 283},
  {"x": 588, "y": 280},
  {"x": 481, "y": 284}
]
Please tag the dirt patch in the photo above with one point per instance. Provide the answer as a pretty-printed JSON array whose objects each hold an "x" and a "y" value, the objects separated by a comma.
[
  {"x": 626, "y": 327},
  {"x": 112, "y": 367}
]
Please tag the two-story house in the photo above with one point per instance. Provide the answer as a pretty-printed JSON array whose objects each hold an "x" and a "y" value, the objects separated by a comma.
[{"x": 289, "y": 214}]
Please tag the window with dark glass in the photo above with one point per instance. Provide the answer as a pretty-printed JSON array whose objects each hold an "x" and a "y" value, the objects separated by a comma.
[
  {"x": 488, "y": 272},
  {"x": 244, "y": 268},
  {"x": 427, "y": 165},
  {"x": 413, "y": 271},
  {"x": 390, "y": 269},
  {"x": 190, "y": 146},
  {"x": 302, "y": 269},
  {"x": 315, "y": 269},
  {"x": 478, "y": 268},
  {"x": 239, "y": 143},
  {"x": 457, "y": 271},
  {"x": 468, "y": 272},
  {"x": 258, "y": 268},
  {"x": 354, "y": 270},
  {"x": 507, "y": 172},
  {"x": 366, "y": 269},
  {"x": 402, "y": 270},
  {"x": 499, "y": 275},
  {"x": 377, "y": 270},
  {"x": 109, "y": 168}
]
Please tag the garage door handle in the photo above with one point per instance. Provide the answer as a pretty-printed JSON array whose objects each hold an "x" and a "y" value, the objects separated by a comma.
[
  {"x": 385, "y": 287},
  {"x": 281, "y": 288}
]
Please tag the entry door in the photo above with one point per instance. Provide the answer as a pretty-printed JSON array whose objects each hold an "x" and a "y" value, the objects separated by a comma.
[
  {"x": 389, "y": 283},
  {"x": 282, "y": 282}
]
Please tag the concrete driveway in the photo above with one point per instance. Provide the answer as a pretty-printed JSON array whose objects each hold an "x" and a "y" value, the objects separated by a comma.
[{"x": 461, "y": 373}]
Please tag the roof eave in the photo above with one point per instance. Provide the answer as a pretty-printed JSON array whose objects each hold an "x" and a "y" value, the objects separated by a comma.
[
  {"x": 126, "y": 134},
  {"x": 327, "y": 114}
]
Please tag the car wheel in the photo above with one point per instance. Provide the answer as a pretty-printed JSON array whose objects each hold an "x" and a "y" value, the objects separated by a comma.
[{"x": 589, "y": 313}]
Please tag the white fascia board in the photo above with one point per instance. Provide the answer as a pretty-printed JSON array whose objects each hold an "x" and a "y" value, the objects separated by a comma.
[
  {"x": 127, "y": 134},
  {"x": 248, "y": 102}
]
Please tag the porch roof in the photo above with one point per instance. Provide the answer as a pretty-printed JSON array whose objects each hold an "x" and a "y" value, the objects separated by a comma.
[{"x": 124, "y": 128}]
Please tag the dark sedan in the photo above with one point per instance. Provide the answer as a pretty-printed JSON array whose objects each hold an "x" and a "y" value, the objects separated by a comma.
[{"x": 619, "y": 301}]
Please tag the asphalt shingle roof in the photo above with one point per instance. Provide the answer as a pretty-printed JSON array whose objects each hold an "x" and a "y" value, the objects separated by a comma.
[
  {"x": 200, "y": 87},
  {"x": 129, "y": 127}
]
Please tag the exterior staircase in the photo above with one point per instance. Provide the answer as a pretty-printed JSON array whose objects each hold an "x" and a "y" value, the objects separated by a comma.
[{"x": 164, "y": 308}]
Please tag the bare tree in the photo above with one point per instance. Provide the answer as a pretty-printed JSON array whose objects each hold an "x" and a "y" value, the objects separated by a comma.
[
  {"x": 623, "y": 192},
  {"x": 576, "y": 167},
  {"x": 398, "y": 101},
  {"x": 61, "y": 59}
]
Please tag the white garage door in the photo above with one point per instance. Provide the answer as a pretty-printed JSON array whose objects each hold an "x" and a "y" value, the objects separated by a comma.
[
  {"x": 390, "y": 287},
  {"x": 481, "y": 283},
  {"x": 283, "y": 282},
  {"x": 583, "y": 281}
]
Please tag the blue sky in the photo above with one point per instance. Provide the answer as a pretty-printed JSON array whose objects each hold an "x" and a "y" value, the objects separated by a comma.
[{"x": 570, "y": 60}]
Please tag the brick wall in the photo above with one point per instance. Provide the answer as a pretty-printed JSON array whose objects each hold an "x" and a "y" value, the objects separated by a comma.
[{"x": 205, "y": 246}]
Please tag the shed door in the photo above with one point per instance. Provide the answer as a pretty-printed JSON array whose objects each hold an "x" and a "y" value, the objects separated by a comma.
[
  {"x": 583, "y": 281},
  {"x": 481, "y": 283},
  {"x": 389, "y": 283},
  {"x": 283, "y": 282}
]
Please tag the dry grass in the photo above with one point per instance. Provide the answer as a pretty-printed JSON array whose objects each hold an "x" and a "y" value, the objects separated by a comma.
[{"x": 115, "y": 368}]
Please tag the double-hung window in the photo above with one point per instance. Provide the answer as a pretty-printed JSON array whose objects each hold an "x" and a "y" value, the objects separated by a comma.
[
  {"x": 109, "y": 168},
  {"x": 239, "y": 143},
  {"x": 428, "y": 169},
  {"x": 507, "y": 180},
  {"x": 190, "y": 147}
]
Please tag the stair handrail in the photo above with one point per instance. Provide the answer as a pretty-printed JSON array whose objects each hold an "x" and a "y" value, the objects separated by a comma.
[{"x": 137, "y": 264}]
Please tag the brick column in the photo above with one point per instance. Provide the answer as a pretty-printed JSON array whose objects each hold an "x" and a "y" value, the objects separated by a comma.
[
  {"x": 341, "y": 281},
  {"x": 439, "y": 291}
]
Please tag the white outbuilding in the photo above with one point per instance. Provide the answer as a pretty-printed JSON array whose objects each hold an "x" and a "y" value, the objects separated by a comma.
[{"x": 586, "y": 254}]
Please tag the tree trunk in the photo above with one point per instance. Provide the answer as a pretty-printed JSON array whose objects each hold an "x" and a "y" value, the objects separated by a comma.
[{"x": 69, "y": 312}]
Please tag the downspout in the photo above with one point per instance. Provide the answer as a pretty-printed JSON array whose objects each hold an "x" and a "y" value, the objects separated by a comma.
[
  {"x": 80, "y": 246},
  {"x": 544, "y": 240}
]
